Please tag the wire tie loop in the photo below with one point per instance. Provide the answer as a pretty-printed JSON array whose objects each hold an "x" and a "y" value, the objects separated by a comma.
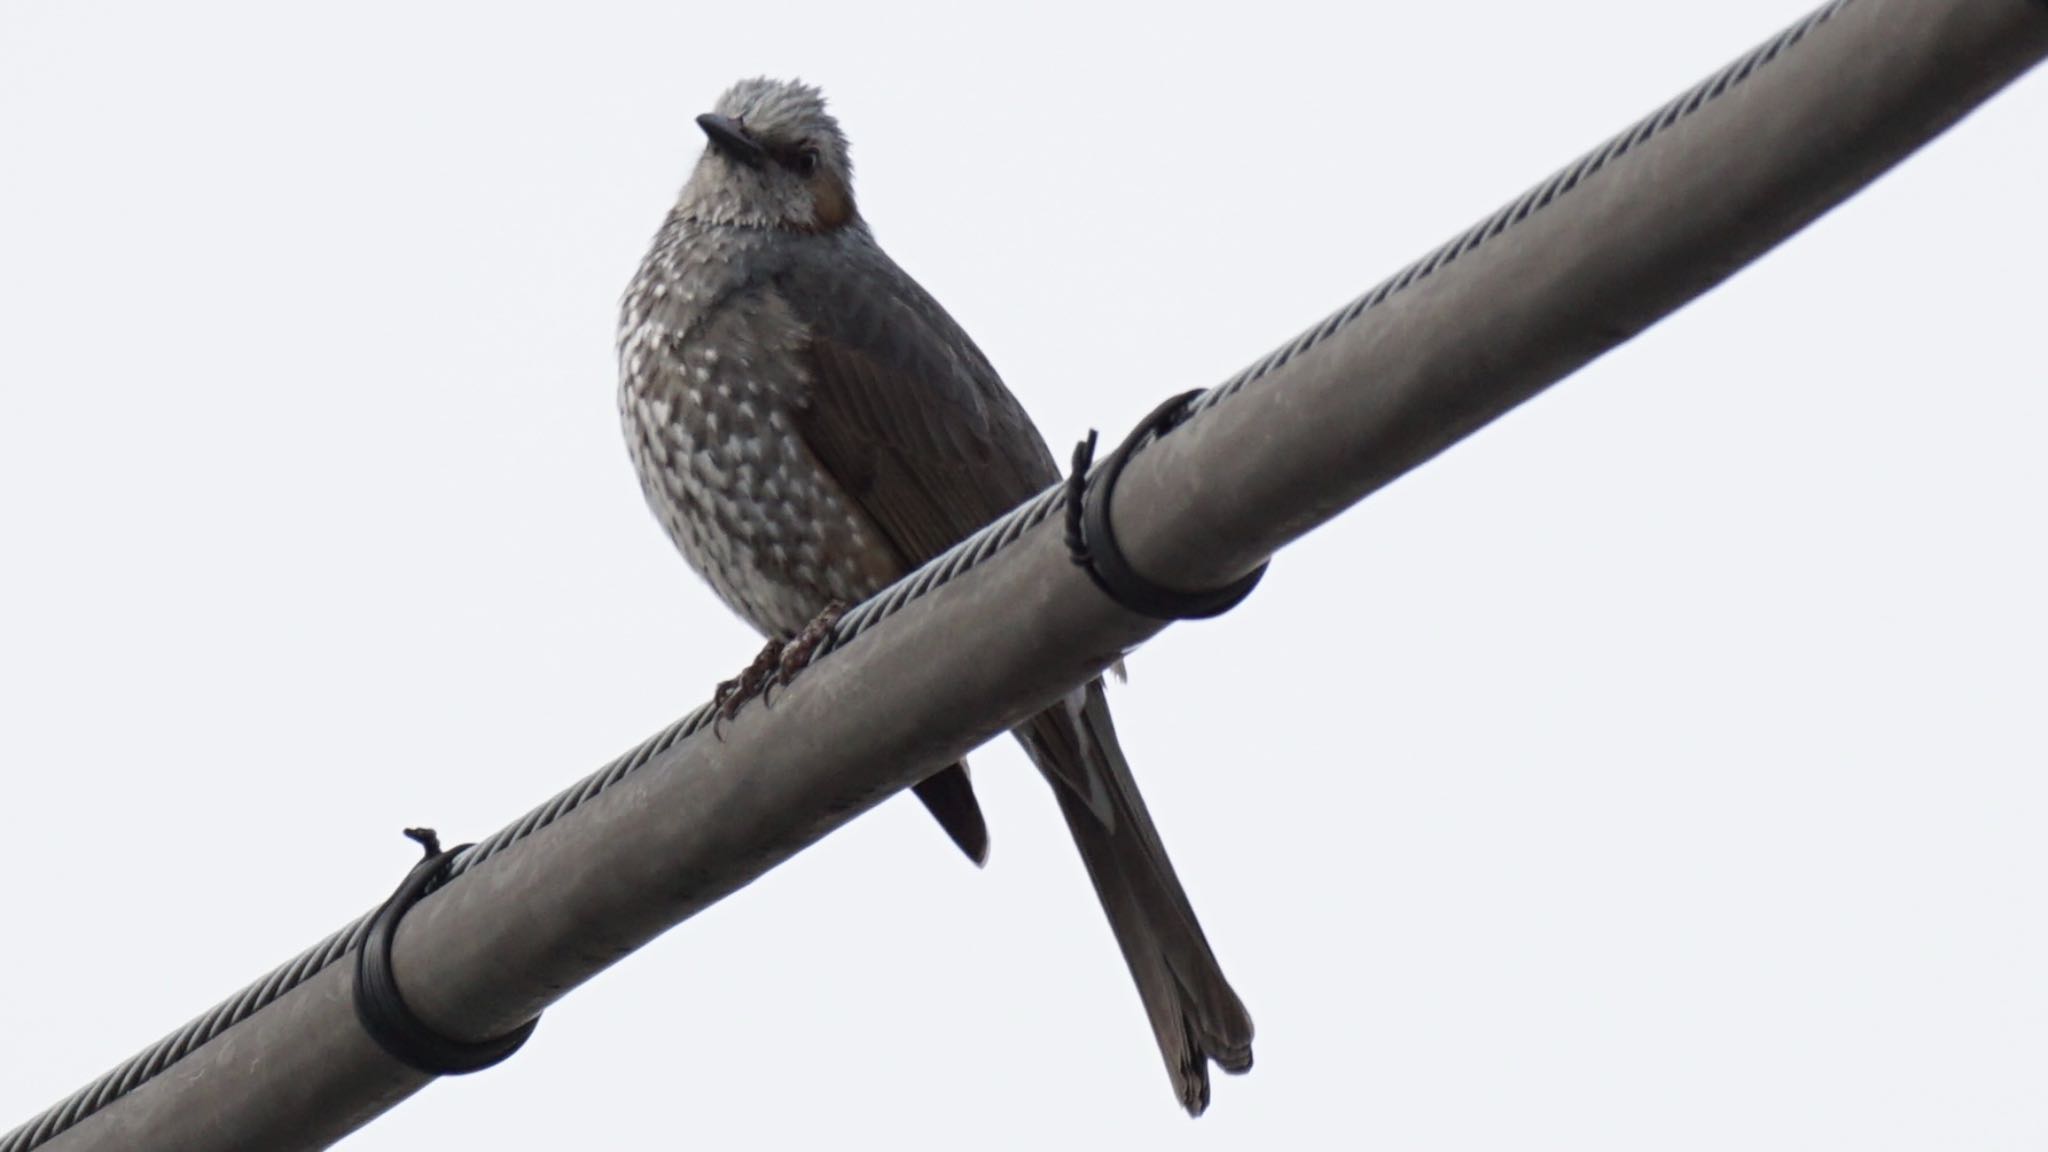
[
  {"x": 381, "y": 1008},
  {"x": 1091, "y": 543}
]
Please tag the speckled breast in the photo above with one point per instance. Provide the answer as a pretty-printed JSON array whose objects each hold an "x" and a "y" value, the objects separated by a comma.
[{"x": 708, "y": 381}]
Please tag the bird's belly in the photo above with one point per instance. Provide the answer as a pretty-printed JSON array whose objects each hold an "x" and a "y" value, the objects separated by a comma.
[{"x": 749, "y": 507}]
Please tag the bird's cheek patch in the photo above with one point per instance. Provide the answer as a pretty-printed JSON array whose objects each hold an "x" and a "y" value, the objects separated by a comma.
[{"x": 834, "y": 202}]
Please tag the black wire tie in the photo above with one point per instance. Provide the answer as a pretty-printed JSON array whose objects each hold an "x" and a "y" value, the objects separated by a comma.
[
  {"x": 382, "y": 1009},
  {"x": 1092, "y": 543}
]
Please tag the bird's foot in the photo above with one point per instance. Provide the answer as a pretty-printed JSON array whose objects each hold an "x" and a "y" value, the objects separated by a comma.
[
  {"x": 733, "y": 694},
  {"x": 802, "y": 647}
]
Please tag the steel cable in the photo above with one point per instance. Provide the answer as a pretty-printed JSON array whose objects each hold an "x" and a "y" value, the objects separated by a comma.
[{"x": 968, "y": 554}]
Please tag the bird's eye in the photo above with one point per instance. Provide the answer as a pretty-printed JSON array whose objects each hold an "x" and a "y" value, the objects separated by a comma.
[{"x": 806, "y": 162}]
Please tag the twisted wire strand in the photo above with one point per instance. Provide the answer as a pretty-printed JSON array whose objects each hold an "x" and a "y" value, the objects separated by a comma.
[
  {"x": 962, "y": 557},
  {"x": 1529, "y": 203}
]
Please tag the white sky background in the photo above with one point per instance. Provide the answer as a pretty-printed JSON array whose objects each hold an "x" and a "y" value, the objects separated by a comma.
[{"x": 1664, "y": 767}]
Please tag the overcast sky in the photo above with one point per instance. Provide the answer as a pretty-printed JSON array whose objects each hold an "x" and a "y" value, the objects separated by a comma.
[{"x": 1664, "y": 767}]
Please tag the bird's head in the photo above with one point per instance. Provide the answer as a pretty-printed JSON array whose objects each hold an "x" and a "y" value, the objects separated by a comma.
[{"x": 774, "y": 158}]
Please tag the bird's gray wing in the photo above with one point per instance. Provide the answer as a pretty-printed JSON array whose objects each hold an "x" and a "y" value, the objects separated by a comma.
[
  {"x": 908, "y": 415},
  {"x": 901, "y": 407}
]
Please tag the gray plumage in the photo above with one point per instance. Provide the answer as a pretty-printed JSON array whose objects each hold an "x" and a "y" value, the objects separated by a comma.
[{"x": 808, "y": 424}]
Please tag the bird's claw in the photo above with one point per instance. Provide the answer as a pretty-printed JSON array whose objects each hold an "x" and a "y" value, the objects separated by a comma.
[
  {"x": 803, "y": 647},
  {"x": 732, "y": 695}
]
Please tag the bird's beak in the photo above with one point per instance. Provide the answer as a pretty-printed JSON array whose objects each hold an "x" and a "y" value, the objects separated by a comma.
[{"x": 728, "y": 137}]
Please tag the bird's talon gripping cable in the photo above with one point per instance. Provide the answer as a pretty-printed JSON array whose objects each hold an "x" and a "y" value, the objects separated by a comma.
[
  {"x": 803, "y": 647},
  {"x": 756, "y": 679}
]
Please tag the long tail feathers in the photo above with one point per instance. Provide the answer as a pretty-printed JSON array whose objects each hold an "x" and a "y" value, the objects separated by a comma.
[
  {"x": 950, "y": 797},
  {"x": 1195, "y": 1014}
]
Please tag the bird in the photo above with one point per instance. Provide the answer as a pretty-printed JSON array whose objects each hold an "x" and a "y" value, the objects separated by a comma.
[{"x": 808, "y": 424}]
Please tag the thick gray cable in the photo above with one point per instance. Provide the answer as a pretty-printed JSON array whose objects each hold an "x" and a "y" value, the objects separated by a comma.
[
  {"x": 1912, "y": 23},
  {"x": 982, "y": 545}
]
